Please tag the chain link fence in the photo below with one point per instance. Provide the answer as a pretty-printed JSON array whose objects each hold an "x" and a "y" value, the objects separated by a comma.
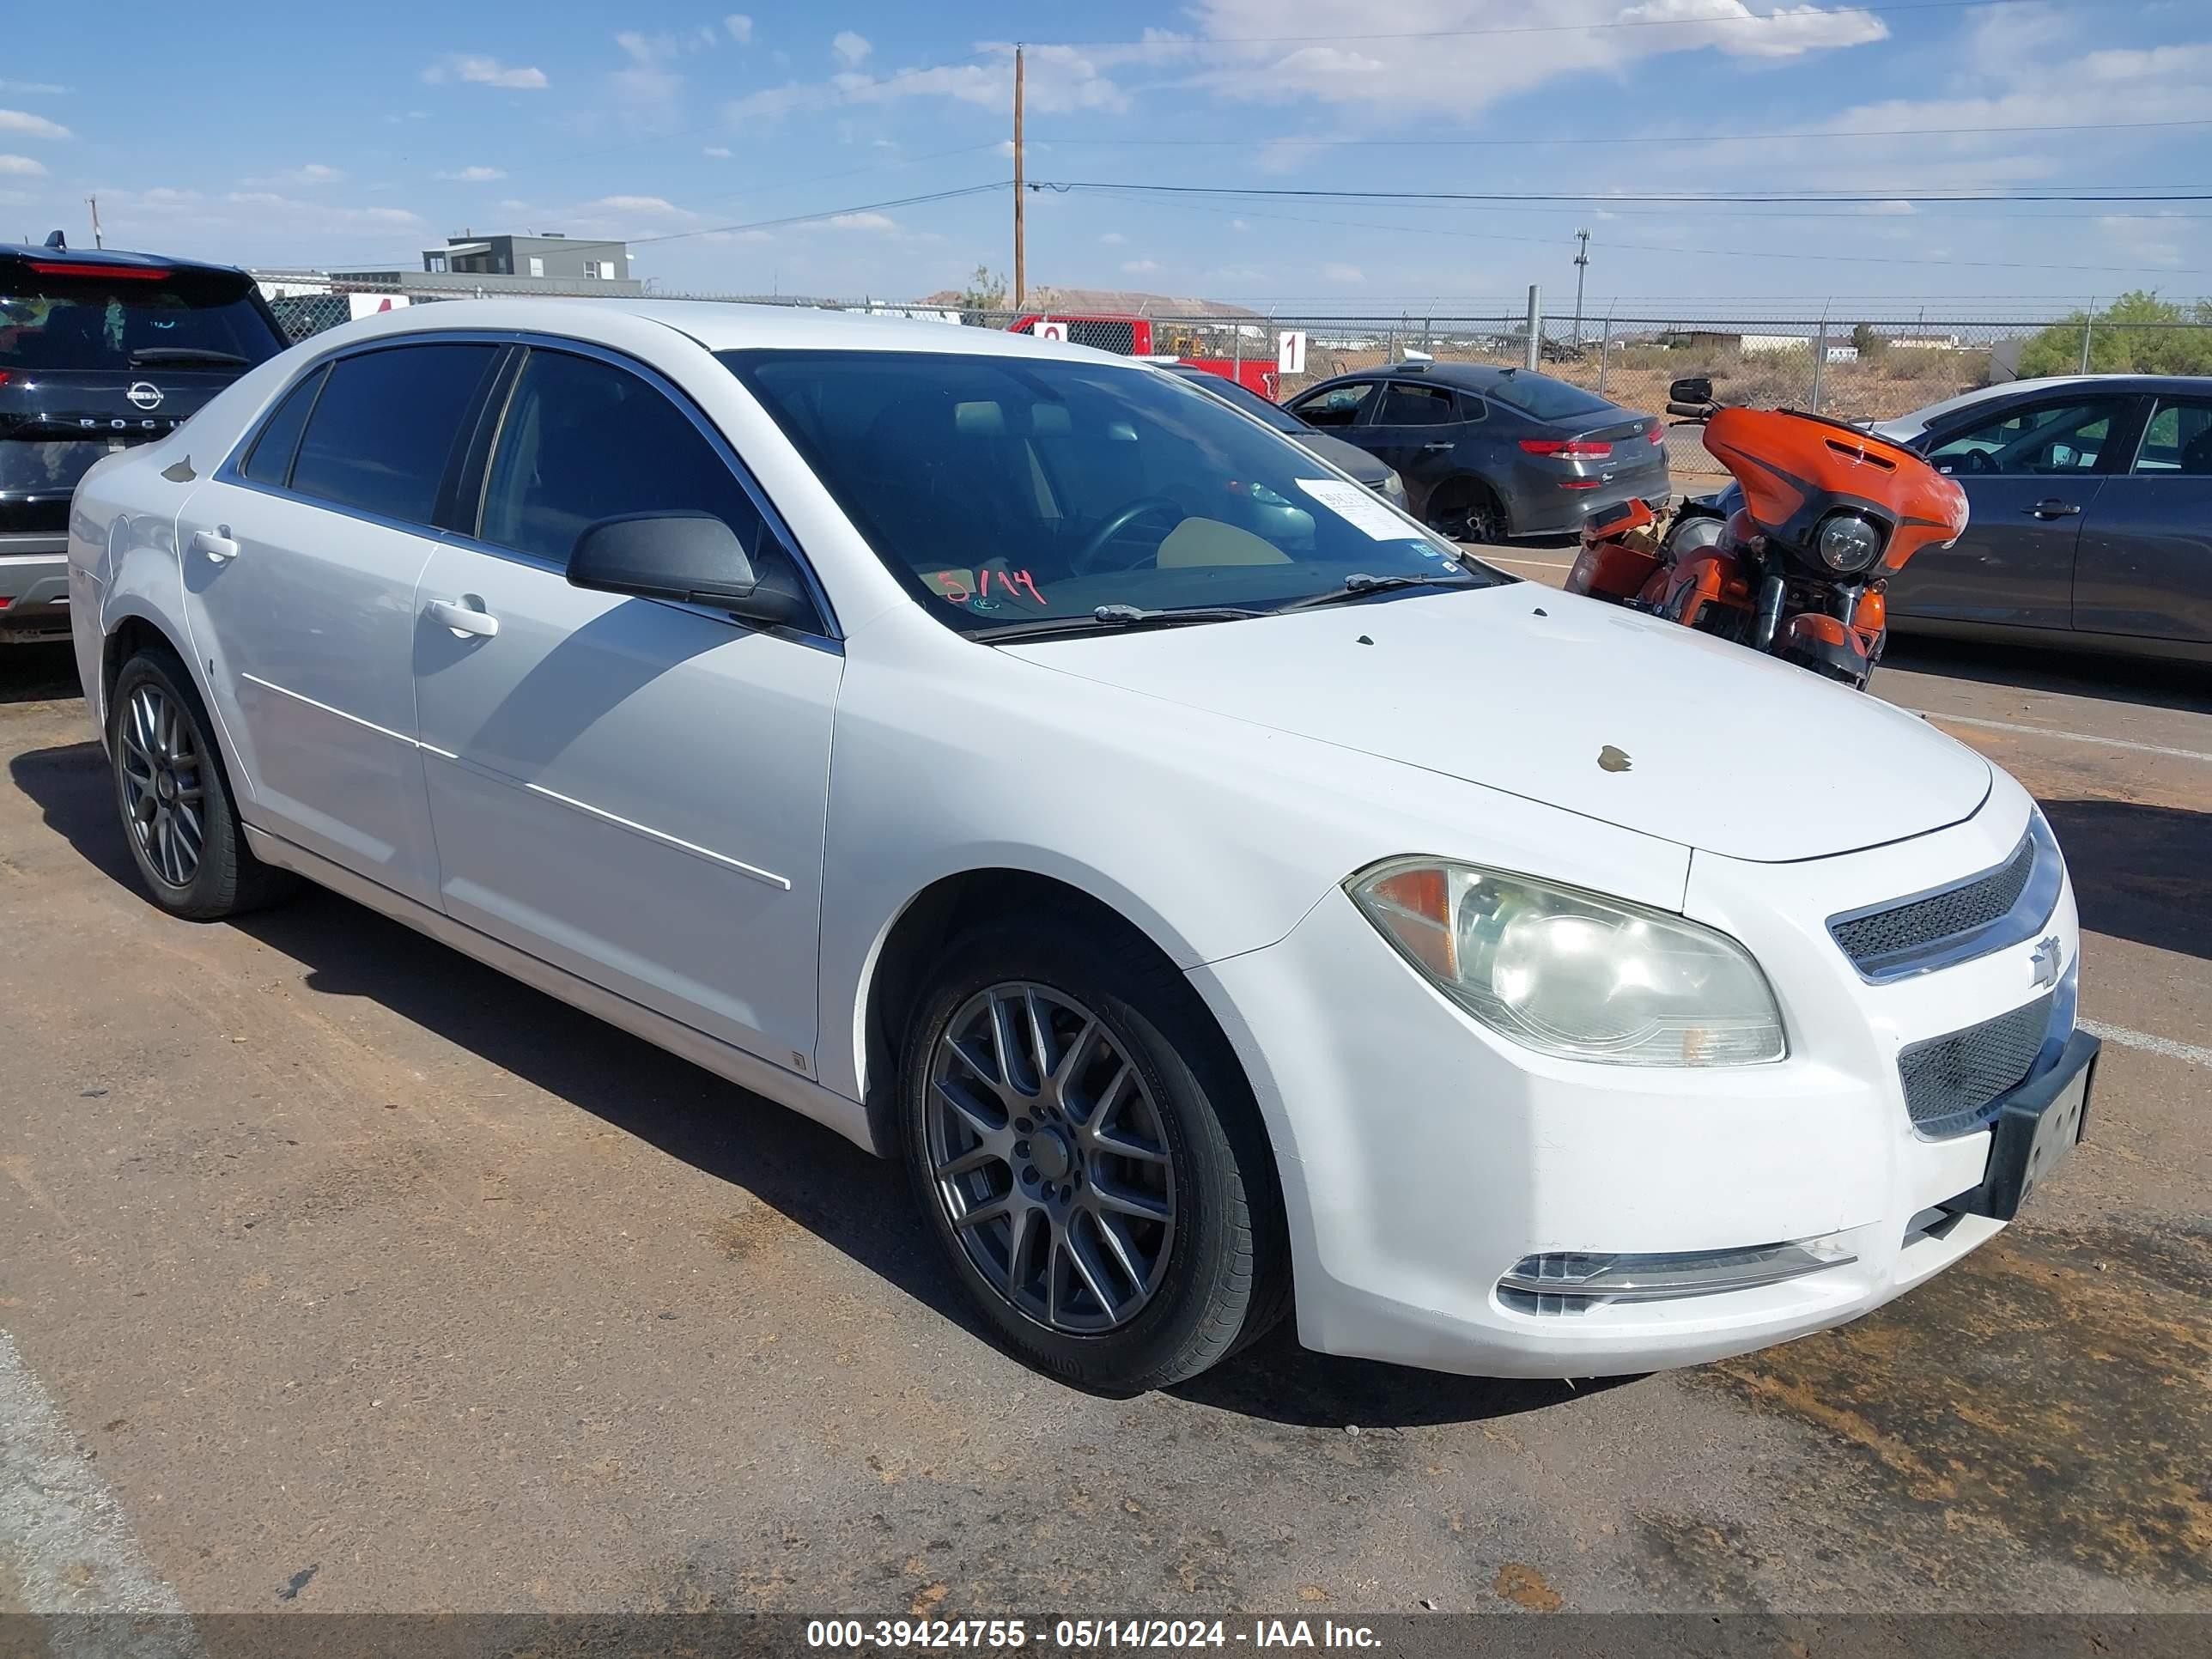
[{"x": 1865, "y": 369}]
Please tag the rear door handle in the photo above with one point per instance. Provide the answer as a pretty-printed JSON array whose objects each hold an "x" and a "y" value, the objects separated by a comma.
[
  {"x": 463, "y": 620},
  {"x": 1433, "y": 447},
  {"x": 216, "y": 543},
  {"x": 2050, "y": 508}
]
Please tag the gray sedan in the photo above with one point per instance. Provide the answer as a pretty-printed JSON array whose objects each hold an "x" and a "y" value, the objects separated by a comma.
[{"x": 2091, "y": 504}]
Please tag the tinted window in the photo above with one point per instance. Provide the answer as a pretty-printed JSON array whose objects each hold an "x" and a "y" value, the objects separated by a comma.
[
  {"x": 2178, "y": 442},
  {"x": 1408, "y": 404},
  {"x": 1246, "y": 399},
  {"x": 1546, "y": 399},
  {"x": 53, "y": 320},
  {"x": 271, "y": 463},
  {"x": 584, "y": 441},
  {"x": 385, "y": 426},
  {"x": 1001, "y": 489},
  {"x": 1336, "y": 406},
  {"x": 2053, "y": 438}
]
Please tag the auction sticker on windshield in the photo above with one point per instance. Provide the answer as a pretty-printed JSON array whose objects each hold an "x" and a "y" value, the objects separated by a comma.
[{"x": 1358, "y": 506}]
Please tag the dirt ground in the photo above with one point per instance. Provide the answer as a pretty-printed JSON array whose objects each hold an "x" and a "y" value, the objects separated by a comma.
[{"x": 338, "y": 1273}]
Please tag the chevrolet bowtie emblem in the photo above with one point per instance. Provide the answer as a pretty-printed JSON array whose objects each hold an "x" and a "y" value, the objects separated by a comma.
[{"x": 2044, "y": 962}]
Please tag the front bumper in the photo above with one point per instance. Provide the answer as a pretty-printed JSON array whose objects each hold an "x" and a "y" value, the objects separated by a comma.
[
  {"x": 34, "y": 587},
  {"x": 1424, "y": 1158}
]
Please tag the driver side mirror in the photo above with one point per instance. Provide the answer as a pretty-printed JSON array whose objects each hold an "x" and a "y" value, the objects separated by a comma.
[{"x": 692, "y": 557}]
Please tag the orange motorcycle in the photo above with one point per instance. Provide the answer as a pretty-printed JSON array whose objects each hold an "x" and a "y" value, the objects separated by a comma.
[{"x": 1828, "y": 513}]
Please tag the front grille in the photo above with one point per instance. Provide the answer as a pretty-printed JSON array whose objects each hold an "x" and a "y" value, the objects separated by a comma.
[
  {"x": 1928, "y": 924},
  {"x": 1950, "y": 1082}
]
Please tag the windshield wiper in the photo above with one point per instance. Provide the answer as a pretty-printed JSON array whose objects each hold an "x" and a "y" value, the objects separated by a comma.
[
  {"x": 145, "y": 356},
  {"x": 1359, "y": 585},
  {"x": 1113, "y": 619}
]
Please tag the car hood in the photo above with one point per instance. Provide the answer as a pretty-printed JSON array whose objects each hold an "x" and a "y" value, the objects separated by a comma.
[
  {"x": 1346, "y": 457},
  {"x": 1572, "y": 703}
]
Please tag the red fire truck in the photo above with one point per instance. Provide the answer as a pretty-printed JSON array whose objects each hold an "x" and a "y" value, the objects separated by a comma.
[{"x": 1243, "y": 352}]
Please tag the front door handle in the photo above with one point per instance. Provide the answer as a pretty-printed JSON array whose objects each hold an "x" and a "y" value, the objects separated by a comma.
[
  {"x": 463, "y": 620},
  {"x": 1432, "y": 448},
  {"x": 216, "y": 543},
  {"x": 2052, "y": 507}
]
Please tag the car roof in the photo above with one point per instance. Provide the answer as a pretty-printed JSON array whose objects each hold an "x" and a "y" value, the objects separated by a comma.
[
  {"x": 719, "y": 326},
  {"x": 1473, "y": 377},
  {"x": 1921, "y": 419},
  {"x": 117, "y": 257}
]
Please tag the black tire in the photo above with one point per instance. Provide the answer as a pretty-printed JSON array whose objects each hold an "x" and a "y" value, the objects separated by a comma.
[
  {"x": 224, "y": 877},
  {"x": 1226, "y": 1279},
  {"x": 1467, "y": 510}
]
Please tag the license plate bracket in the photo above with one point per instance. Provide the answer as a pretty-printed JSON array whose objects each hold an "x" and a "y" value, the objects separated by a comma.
[{"x": 2039, "y": 1123}]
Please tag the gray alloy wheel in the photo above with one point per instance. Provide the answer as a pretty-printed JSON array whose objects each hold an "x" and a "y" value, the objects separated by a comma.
[
  {"x": 1049, "y": 1157},
  {"x": 164, "y": 782}
]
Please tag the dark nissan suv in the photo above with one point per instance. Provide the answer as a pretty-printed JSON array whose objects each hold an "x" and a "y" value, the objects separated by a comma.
[{"x": 99, "y": 350}]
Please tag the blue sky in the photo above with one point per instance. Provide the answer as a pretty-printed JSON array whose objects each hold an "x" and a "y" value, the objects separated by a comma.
[{"x": 303, "y": 134}]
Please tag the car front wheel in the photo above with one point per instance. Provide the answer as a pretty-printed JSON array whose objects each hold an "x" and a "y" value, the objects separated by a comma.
[{"x": 1088, "y": 1152}]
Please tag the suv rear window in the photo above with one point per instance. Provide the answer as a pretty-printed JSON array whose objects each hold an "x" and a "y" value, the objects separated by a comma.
[{"x": 58, "y": 314}]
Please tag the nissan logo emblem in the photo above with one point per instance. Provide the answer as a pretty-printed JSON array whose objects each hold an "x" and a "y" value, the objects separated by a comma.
[{"x": 145, "y": 394}]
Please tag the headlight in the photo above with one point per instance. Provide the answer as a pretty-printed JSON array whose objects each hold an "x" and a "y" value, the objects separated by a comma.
[
  {"x": 1572, "y": 974},
  {"x": 1848, "y": 544},
  {"x": 1394, "y": 486}
]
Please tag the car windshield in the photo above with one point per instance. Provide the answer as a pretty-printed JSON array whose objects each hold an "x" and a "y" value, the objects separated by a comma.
[
  {"x": 1003, "y": 489},
  {"x": 58, "y": 315},
  {"x": 1546, "y": 399},
  {"x": 1248, "y": 400}
]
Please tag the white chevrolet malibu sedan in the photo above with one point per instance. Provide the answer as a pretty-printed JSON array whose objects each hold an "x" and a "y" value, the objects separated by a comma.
[{"x": 1226, "y": 898}]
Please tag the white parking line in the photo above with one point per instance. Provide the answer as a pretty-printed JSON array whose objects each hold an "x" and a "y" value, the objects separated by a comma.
[
  {"x": 2067, "y": 737},
  {"x": 65, "y": 1539},
  {"x": 2146, "y": 1042}
]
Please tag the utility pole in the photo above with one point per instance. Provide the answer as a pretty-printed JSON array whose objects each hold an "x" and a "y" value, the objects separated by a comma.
[
  {"x": 93, "y": 202},
  {"x": 1582, "y": 266},
  {"x": 1021, "y": 260}
]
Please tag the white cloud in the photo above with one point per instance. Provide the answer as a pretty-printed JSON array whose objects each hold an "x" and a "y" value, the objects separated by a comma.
[
  {"x": 872, "y": 221},
  {"x": 33, "y": 89},
  {"x": 740, "y": 28},
  {"x": 1141, "y": 267},
  {"x": 21, "y": 166},
  {"x": 474, "y": 175},
  {"x": 658, "y": 207},
  {"x": 484, "y": 71},
  {"x": 1113, "y": 239},
  {"x": 1239, "y": 224},
  {"x": 1454, "y": 56},
  {"x": 1058, "y": 80},
  {"x": 30, "y": 125},
  {"x": 2137, "y": 235},
  {"x": 851, "y": 49},
  {"x": 299, "y": 215},
  {"x": 719, "y": 151},
  {"x": 648, "y": 85},
  {"x": 1344, "y": 273}
]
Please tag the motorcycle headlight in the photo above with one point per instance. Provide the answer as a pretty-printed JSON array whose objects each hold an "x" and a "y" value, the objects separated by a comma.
[
  {"x": 1573, "y": 974},
  {"x": 1848, "y": 544}
]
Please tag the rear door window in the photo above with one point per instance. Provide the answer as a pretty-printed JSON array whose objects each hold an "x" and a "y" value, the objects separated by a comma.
[
  {"x": 58, "y": 314},
  {"x": 383, "y": 430},
  {"x": 1406, "y": 404},
  {"x": 2178, "y": 442}
]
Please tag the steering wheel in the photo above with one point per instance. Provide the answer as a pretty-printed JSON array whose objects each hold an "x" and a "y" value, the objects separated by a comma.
[
  {"x": 1085, "y": 559},
  {"x": 1973, "y": 460}
]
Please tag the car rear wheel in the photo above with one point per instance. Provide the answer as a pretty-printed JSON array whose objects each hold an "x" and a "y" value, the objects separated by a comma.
[
  {"x": 1090, "y": 1157},
  {"x": 177, "y": 814},
  {"x": 1466, "y": 510}
]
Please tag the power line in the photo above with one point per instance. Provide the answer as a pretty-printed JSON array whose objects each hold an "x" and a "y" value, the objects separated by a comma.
[
  {"x": 2087, "y": 193},
  {"x": 1709, "y": 20},
  {"x": 1658, "y": 138}
]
